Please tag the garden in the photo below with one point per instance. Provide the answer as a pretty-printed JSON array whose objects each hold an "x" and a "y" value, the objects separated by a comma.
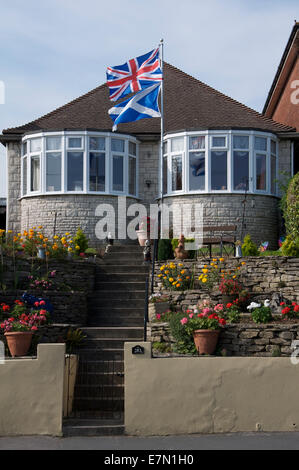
[{"x": 44, "y": 283}]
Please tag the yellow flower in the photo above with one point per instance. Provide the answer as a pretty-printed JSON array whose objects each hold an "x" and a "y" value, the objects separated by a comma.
[
  {"x": 162, "y": 268},
  {"x": 9, "y": 231},
  {"x": 183, "y": 271},
  {"x": 171, "y": 279},
  {"x": 221, "y": 259},
  {"x": 67, "y": 234},
  {"x": 55, "y": 237},
  {"x": 243, "y": 262},
  {"x": 70, "y": 249},
  {"x": 187, "y": 277},
  {"x": 200, "y": 277},
  {"x": 40, "y": 227},
  {"x": 44, "y": 245},
  {"x": 178, "y": 284},
  {"x": 215, "y": 260},
  {"x": 174, "y": 283},
  {"x": 204, "y": 279},
  {"x": 205, "y": 271},
  {"x": 164, "y": 277},
  {"x": 180, "y": 264},
  {"x": 166, "y": 272},
  {"x": 205, "y": 266},
  {"x": 160, "y": 275},
  {"x": 77, "y": 247},
  {"x": 55, "y": 247}
]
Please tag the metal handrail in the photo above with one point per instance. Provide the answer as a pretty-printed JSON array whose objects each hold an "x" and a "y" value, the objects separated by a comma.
[{"x": 145, "y": 319}]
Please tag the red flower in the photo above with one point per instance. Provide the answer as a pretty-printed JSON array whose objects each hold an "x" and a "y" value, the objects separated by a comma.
[
  {"x": 229, "y": 305},
  {"x": 282, "y": 303},
  {"x": 5, "y": 308},
  {"x": 42, "y": 302},
  {"x": 222, "y": 321},
  {"x": 36, "y": 304},
  {"x": 286, "y": 310},
  {"x": 43, "y": 312},
  {"x": 296, "y": 308},
  {"x": 34, "y": 328}
]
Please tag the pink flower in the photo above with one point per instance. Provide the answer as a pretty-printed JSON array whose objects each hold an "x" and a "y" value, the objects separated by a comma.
[
  {"x": 36, "y": 304},
  {"x": 42, "y": 302},
  {"x": 34, "y": 328},
  {"x": 158, "y": 316},
  {"x": 206, "y": 311},
  {"x": 218, "y": 308},
  {"x": 191, "y": 315},
  {"x": 184, "y": 321}
]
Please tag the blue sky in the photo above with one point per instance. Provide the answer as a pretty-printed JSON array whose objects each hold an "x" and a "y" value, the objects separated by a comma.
[{"x": 55, "y": 50}]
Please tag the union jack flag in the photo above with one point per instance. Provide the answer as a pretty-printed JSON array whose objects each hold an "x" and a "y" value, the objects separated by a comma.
[{"x": 135, "y": 75}]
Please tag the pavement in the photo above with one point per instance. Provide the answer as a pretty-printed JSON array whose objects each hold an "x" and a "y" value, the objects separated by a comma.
[{"x": 233, "y": 441}]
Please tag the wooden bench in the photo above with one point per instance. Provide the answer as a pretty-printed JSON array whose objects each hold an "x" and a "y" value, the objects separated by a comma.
[{"x": 219, "y": 235}]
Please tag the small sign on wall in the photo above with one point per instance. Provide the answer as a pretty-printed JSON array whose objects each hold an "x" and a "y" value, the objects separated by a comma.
[{"x": 138, "y": 349}]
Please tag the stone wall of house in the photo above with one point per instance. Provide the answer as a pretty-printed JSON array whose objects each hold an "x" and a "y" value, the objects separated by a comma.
[
  {"x": 149, "y": 171},
  {"x": 241, "y": 339},
  {"x": 262, "y": 276},
  {"x": 260, "y": 214},
  {"x": 13, "y": 217}
]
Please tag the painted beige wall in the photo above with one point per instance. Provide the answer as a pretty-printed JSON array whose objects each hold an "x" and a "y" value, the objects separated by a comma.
[
  {"x": 31, "y": 393},
  {"x": 209, "y": 394}
]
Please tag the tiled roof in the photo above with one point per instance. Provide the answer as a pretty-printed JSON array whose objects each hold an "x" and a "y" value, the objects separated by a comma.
[{"x": 188, "y": 104}]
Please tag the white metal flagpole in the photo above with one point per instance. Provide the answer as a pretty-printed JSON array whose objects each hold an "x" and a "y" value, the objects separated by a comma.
[{"x": 161, "y": 45}]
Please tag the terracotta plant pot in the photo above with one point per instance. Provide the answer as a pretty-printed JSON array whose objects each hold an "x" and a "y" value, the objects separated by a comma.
[
  {"x": 206, "y": 340},
  {"x": 228, "y": 298},
  {"x": 18, "y": 342},
  {"x": 142, "y": 237}
]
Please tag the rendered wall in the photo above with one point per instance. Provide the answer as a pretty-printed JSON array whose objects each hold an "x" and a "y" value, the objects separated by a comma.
[
  {"x": 31, "y": 393},
  {"x": 209, "y": 394}
]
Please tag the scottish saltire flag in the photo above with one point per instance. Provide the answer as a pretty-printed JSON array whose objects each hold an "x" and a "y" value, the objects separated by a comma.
[
  {"x": 135, "y": 75},
  {"x": 142, "y": 105}
]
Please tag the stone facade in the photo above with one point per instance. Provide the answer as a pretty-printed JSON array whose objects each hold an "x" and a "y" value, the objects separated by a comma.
[
  {"x": 241, "y": 339},
  {"x": 261, "y": 215}
]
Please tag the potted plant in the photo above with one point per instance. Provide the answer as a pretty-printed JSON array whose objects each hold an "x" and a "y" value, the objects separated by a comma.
[
  {"x": 229, "y": 289},
  {"x": 205, "y": 328},
  {"x": 21, "y": 325}
]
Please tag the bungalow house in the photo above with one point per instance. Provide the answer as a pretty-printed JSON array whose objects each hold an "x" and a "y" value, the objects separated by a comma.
[{"x": 216, "y": 151}]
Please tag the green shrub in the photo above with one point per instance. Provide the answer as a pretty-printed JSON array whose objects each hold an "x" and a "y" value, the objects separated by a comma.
[
  {"x": 80, "y": 241},
  {"x": 290, "y": 246},
  {"x": 184, "y": 341},
  {"x": 291, "y": 213},
  {"x": 91, "y": 251},
  {"x": 249, "y": 248},
  {"x": 262, "y": 315},
  {"x": 161, "y": 347},
  {"x": 165, "y": 249},
  {"x": 191, "y": 253}
]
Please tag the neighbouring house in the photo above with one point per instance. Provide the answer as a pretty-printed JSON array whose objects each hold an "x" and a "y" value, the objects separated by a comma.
[{"x": 64, "y": 164}]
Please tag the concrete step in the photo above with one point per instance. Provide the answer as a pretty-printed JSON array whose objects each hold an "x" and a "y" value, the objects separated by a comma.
[
  {"x": 118, "y": 294},
  {"x": 106, "y": 343},
  {"x": 103, "y": 366},
  {"x": 100, "y": 378},
  {"x": 98, "y": 404},
  {"x": 127, "y": 248},
  {"x": 109, "y": 354},
  {"x": 94, "y": 333},
  {"x": 120, "y": 277},
  {"x": 93, "y": 428},
  {"x": 121, "y": 268},
  {"x": 114, "y": 322},
  {"x": 124, "y": 285},
  {"x": 130, "y": 261},
  {"x": 112, "y": 303},
  {"x": 123, "y": 255},
  {"x": 112, "y": 392}
]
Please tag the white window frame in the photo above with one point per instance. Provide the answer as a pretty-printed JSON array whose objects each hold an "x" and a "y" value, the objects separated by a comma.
[
  {"x": 228, "y": 134},
  {"x": 85, "y": 148}
]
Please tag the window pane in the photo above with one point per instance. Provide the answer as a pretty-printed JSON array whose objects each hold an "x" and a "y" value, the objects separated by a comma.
[
  {"x": 24, "y": 148},
  {"x": 165, "y": 147},
  {"x": 117, "y": 145},
  {"x": 53, "y": 175},
  {"x": 53, "y": 143},
  {"x": 96, "y": 143},
  {"x": 241, "y": 170},
  {"x": 35, "y": 145},
  {"x": 75, "y": 171},
  {"x": 260, "y": 143},
  {"x": 75, "y": 142},
  {"x": 35, "y": 174},
  {"x": 273, "y": 147},
  {"x": 118, "y": 173},
  {"x": 96, "y": 171},
  {"x": 218, "y": 141},
  {"x": 165, "y": 175},
  {"x": 219, "y": 170},
  {"x": 196, "y": 143},
  {"x": 25, "y": 175},
  {"x": 177, "y": 144},
  {"x": 261, "y": 172},
  {"x": 176, "y": 173},
  {"x": 132, "y": 148},
  {"x": 273, "y": 174},
  {"x": 196, "y": 171},
  {"x": 241, "y": 142},
  {"x": 132, "y": 175}
]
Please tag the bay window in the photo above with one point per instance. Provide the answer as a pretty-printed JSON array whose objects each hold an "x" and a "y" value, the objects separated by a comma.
[
  {"x": 219, "y": 161},
  {"x": 79, "y": 162}
]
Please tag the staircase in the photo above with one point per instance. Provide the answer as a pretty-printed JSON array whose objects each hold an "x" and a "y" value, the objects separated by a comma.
[{"x": 115, "y": 315}]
